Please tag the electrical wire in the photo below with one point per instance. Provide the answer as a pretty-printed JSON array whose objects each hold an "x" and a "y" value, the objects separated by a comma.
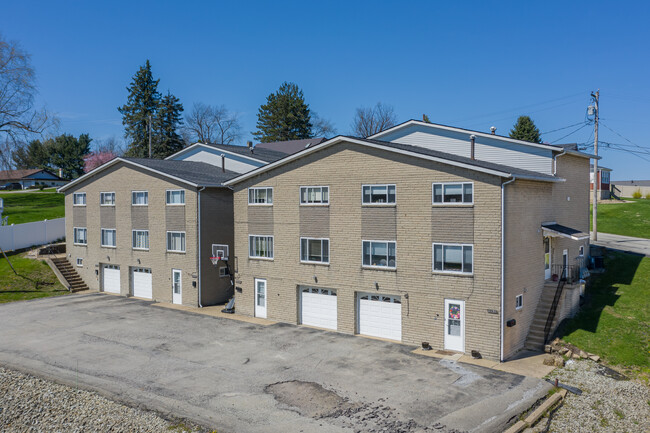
[
  {"x": 629, "y": 141},
  {"x": 570, "y": 133},
  {"x": 560, "y": 129}
]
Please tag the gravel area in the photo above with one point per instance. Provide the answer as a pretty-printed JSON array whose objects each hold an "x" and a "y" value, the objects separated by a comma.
[
  {"x": 606, "y": 404},
  {"x": 30, "y": 404}
]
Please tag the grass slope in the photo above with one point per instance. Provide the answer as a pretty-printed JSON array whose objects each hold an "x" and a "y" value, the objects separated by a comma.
[
  {"x": 25, "y": 207},
  {"x": 615, "y": 321},
  {"x": 627, "y": 219},
  {"x": 35, "y": 279}
]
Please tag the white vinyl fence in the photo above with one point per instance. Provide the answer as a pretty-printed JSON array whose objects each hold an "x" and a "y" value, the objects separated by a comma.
[{"x": 18, "y": 236}]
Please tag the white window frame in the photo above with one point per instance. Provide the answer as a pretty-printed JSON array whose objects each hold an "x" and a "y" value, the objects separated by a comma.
[
  {"x": 74, "y": 199},
  {"x": 267, "y": 189},
  {"x": 321, "y": 203},
  {"x": 223, "y": 273},
  {"x": 101, "y": 238},
  {"x": 443, "y": 271},
  {"x": 386, "y": 203},
  {"x": 387, "y": 255},
  {"x": 183, "y": 241},
  {"x": 103, "y": 194},
  {"x": 80, "y": 262},
  {"x": 443, "y": 202},
  {"x": 167, "y": 196},
  {"x": 314, "y": 262},
  {"x": 74, "y": 235},
  {"x": 251, "y": 239},
  {"x": 133, "y": 195},
  {"x": 519, "y": 301},
  {"x": 133, "y": 235}
]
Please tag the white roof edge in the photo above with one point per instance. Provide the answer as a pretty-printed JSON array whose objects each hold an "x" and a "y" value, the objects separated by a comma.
[
  {"x": 582, "y": 154},
  {"x": 564, "y": 235},
  {"x": 213, "y": 148},
  {"x": 538, "y": 178}
]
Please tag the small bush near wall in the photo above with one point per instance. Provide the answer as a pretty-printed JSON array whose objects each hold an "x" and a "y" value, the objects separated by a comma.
[
  {"x": 637, "y": 194},
  {"x": 647, "y": 196}
]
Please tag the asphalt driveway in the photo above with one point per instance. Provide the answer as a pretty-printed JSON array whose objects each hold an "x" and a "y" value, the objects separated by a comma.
[{"x": 231, "y": 375}]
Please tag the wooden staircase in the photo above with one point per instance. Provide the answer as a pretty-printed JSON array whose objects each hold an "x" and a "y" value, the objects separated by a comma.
[
  {"x": 535, "y": 339},
  {"x": 75, "y": 283}
]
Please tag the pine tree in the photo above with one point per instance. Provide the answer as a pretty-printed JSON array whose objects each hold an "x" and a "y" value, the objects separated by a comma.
[
  {"x": 526, "y": 130},
  {"x": 142, "y": 102},
  {"x": 68, "y": 152},
  {"x": 285, "y": 116},
  {"x": 166, "y": 124},
  {"x": 35, "y": 155}
]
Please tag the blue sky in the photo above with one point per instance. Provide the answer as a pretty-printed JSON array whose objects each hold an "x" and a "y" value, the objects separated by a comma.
[{"x": 469, "y": 64}]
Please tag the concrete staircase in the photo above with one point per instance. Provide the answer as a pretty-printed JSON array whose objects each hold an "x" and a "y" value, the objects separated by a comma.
[
  {"x": 535, "y": 339},
  {"x": 75, "y": 283}
]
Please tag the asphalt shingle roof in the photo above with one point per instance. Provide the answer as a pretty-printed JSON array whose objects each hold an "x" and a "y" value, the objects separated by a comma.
[
  {"x": 290, "y": 146},
  {"x": 266, "y": 155},
  {"x": 199, "y": 173}
]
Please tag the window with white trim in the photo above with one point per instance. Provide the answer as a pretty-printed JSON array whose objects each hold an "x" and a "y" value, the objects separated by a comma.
[
  {"x": 79, "y": 199},
  {"x": 453, "y": 193},
  {"x": 223, "y": 271},
  {"x": 260, "y": 196},
  {"x": 140, "y": 240},
  {"x": 519, "y": 302},
  {"x": 260, "y": 247},
  {"x": 139, "y": 198},
  {"x": 107, "y": 198},
  {"x": 453, "y": 258},
  {"x": 80, "y": 262},
  {"x": 315, "y": 250},
  {"x": 176, "y": 242},
  {"x": 108, "y": 238},
  {"x": 379, "y": 254},
  {"x": 314, "y": 195},
  {"x": 378, "y": 194},
  {"x": 175, "y": 197},
  {"x": 80, "y": 235}
]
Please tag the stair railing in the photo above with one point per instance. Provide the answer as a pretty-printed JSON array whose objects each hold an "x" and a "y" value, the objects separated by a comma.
[{"x": 556, "y": 301}]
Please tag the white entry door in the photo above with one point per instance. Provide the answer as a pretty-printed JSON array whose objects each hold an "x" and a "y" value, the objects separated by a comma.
[
  {"x": 455, "y": 325},
  {"x": 380, "y": 316},
  {"x": 111, "y": 279},
  {"x": 177, "y": 288},
  {"x": 318, "y": 307},
  {"x": 142, "y": 283},
  {"x": 547, "y": 258},
  {"x": 260, "y": 298}
]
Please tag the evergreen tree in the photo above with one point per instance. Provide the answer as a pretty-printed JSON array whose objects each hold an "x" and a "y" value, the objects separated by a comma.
[
  {"x": 166, "y": 124},
  {"x": 142, "y": 102},
  {"x": 425, "y": 118},
  {"x": 526, "y": 130},
  {"x": 68, "y": 152},
  {"x": 285, "y": 116},
  {"x": 34, "y": 155}
]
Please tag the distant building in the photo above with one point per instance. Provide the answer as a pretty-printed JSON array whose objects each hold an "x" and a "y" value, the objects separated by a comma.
[
  {"x": 625, "y": 188},
  {"x": 31, "y": 177},
  {"x": 604, "y": 175}
]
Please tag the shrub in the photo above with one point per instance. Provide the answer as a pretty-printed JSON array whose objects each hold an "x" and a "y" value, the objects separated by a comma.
[
  {"x": 647, "y": 196},
  {"x": 637, "y": 194}
]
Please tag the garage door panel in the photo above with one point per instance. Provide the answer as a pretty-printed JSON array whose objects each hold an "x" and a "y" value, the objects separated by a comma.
[
  {"x": 111, "y": 279},
  {"x": 380, "y": 316},
  {"x": 142, "y": 283},
  {"x": 318, "y": 308}
]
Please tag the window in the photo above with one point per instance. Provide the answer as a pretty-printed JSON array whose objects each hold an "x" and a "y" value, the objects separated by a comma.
[
  {"x": 519, "y": 302},
  {"x": 140, "y": 239},
  {"x": 378, "y": 194},
  {"x": 107, "y": 198},
  {"x": 260, "y": 196},
  {"x": 455, "y": 193},
  {"x": 314, "y": 195},
  {"x": 80, "y": 235},
  {"x": 223, "y": 272},
  {"x": 79, "y": 199},
  {"x": 379, "y": 253},
  {"x": 176, "y": 242},
  {"x": 80, "y": 262},
  {"x": 314, "y": 250},
  {"x": 260, "y": 247},
  {"x": 454, "y": 258},
  {"x": 139, "y": 198},
  {"x": 175, "y": 197},
  {"x": 108, "y": 238},
  {"x": 581, "y": 250}
]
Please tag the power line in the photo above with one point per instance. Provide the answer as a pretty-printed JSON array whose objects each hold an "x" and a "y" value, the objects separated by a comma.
[
  {"x": 629, "y": 141},
  {"x": 570, "y": 133},
  {"x": 560, "y": 129}
]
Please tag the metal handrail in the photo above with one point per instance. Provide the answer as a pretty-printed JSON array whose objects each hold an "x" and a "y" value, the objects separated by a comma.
[{"x": 556, "y": 300}]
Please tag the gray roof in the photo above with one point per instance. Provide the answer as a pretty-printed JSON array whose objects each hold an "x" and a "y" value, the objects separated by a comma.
[
  {"x": 290, "y": 146},
  {"x": 631, "y": 182},
  {"x": 199, "y": 173},
  {"x": 566, "y": 231},
  {"x": 266, "y": 155}
]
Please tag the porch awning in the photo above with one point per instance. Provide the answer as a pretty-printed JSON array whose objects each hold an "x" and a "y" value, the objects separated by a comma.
[{"x": 557, "y": 230}]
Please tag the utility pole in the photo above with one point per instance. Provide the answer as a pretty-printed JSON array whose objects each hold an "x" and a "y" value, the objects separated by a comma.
[
  {"x": 594, "y": 236},
  {"x": 149, "y": 135}
]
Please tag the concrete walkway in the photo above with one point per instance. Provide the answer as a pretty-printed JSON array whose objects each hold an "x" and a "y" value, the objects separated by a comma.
[{"x": 627, "y": 244}]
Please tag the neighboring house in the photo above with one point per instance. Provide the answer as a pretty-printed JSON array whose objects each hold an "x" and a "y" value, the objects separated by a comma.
[
  {"x": 31, "y": 177},
  {"x": 235, "y": 158},
  {"x": 604, "y": 176},
  {"x": 626, "y": 188},
  {"x": 421, "y": 233},
  {"x": 291, "y": 146}
]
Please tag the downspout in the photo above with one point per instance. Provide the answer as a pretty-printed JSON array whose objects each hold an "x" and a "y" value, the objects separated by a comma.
[
  {"x": 555, "y": 161},
  {"x": 198, "y": 218},
  {"x": 503, "y": 264}
]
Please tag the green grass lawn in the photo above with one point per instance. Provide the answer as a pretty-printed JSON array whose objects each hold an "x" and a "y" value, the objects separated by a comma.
[
  {"x": 25, "y": 207},
  {"x": 627, "y": 219},
  {"x": 35, "y": 279},
  {"x": 614, "y": 323}
]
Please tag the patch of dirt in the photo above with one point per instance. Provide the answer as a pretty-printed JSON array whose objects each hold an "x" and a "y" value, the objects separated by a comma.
[{"x": 309, "y": 398}]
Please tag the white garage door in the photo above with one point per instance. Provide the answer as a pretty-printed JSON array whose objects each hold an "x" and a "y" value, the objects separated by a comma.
[
  {"x": 142, "y": 284},
  {"x": 318, "y": 307},
  {"x": 111, "y": 277},
  {"x": 380, "y": 316}
]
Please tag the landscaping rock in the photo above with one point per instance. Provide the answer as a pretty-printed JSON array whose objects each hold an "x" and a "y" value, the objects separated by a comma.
[
  {"x": 583, "y": 354},
  {"x": 558, "y": 361},
  {"x": 549, "y": 360},
  {"x": 594, "y": 358},
  {"x": 547, "y": 348}
]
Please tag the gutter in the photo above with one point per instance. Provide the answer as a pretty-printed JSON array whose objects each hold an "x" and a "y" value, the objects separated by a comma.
[
  {"x": 503, "y": 264},
  {"x": 555, "y": 157},
  {"x": 198, "y": 219}
]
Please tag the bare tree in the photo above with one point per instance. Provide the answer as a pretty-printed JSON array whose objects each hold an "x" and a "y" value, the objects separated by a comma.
[
  {"x": 321, "y": 127},
  {"x": 212, "y": 124},
  {"x": 370, "y": 121}
]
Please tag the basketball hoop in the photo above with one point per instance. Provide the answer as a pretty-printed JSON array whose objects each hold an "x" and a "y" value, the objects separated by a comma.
[{"x": 216, "y": 259}]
